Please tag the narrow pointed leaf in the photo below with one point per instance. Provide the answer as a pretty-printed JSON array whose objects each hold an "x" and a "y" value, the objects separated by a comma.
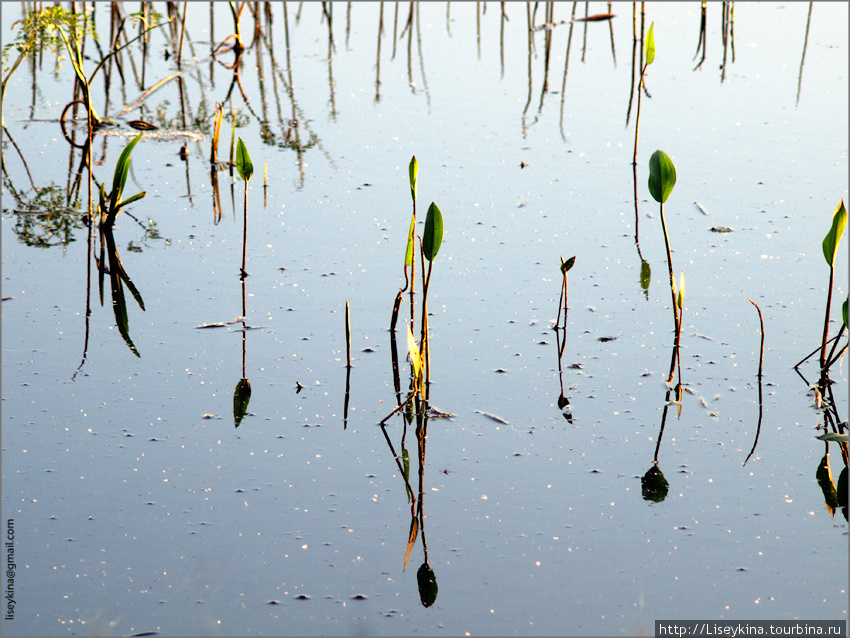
[
  {"x": 833, "y": 237},
  {"x": 414, "y": 532},
  {"x": 413, "y": 169},
  {"x": 415, "y": 355},
  {"x": 133, "y": 198},
  {"x": 650, "y": 44},
  {"x": 680, "y": 297},
  {"x": 123, "y": 165},
  {"x": 408, "y": 254},
  {"x": 433, "y": 235},
  {"x": 662, "y": 176},
  {"x": 844, "y": 314},
  {"x": 243, "y": 161}
]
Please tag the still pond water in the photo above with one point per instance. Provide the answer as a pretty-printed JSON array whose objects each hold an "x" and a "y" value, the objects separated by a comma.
[{"x": 139, "y": 507}]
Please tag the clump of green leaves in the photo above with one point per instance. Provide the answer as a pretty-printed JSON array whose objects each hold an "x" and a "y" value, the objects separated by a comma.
[{"x": 110, "y": 205}]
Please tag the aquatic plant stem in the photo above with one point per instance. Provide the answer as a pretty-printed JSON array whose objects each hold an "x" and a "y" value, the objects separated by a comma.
[
  {"x": 245, "y": 232},
  {"x": 826, "y": 319},
  {"x": 670, "y": 269}
]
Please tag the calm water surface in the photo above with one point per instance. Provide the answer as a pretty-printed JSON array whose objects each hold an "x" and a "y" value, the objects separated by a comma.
[{"x": 138, "y": 506}]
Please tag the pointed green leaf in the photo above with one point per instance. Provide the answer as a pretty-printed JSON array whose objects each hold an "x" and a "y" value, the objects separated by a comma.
[
  {"x": 833, "y": 237},
  {"x": 413, "y": 169},
  {"x": 680, "y": 297},
  {"x": 662, "y": 176},
  {"x": 133, "y": 198},
  {"x": 241, "y": 397},
  {"x": 122, "y": 169},
  {"x": 832, "y": 436},
  {"x": 243, "y": 161},
  {"x": 408, "y": 254},
  {"x": 433, "y": 236},
  {"x": 566, "y": 265},
  {"x": 650, "y": 44},
  {"x": 844, "y": 314}
]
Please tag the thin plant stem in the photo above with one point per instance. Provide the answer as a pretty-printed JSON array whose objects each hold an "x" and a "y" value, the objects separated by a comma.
[
  {"x": 245, "y": 232},
  {"x": 670, "y": 268},
  {"x": 826, "y": 318}
]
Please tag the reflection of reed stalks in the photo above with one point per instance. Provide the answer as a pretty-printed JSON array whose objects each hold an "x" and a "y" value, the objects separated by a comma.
[
  {"x": 803, "y": 56},
  {"x": 650, "y": 57},
  {"x": 645, "y": 270}
]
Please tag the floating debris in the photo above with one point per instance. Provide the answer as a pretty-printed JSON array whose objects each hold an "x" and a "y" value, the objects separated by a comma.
[
  {"x": 599, "y": 17},
  {"x": 604, "y": 339},
  {"x": 493, "y": 417},
  {"x": 141, "y": 125},
  {"x": 697, "y": 204},
  {"x": 720, "y": 229}
]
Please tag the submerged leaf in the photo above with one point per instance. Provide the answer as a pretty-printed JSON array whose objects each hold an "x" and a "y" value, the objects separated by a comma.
[
  {"x": 243, "y": 161},
  {"x": 433, "y": 236},
  {"x": 650, "y": 44},
  {"x": 824, "y": 478},
  {"x": 662, "y": 176},
  {"x": 241, "y": 397},
  {"x": 427, "y": 582},
  {"x": 653, "y": 485},
  {"x": 645, "y": 275},
  {"x": 833, "y": 237}
]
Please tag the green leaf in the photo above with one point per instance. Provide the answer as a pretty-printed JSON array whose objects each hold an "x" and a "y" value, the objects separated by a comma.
[
  {"x": 832, "y": 436},
  {"x": 433, "y": 236},
  {"x": 243, "y": 161},
  {"x": 650, "y": 44},
  {"x": 414, "y": 170},
  {"x": 241, "y": 397},
  {"x": 833, "y": 237},
  {"x": 844, "y": 314},
  {"x": 662, "y": 176},
  {"x": 408, "y": 254},
  {"x": 122, "y": 169},
  {"x": 566, "y": 265},
  {"x": 133, "y": 198},
  {"x": 680, "y": 297}
]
